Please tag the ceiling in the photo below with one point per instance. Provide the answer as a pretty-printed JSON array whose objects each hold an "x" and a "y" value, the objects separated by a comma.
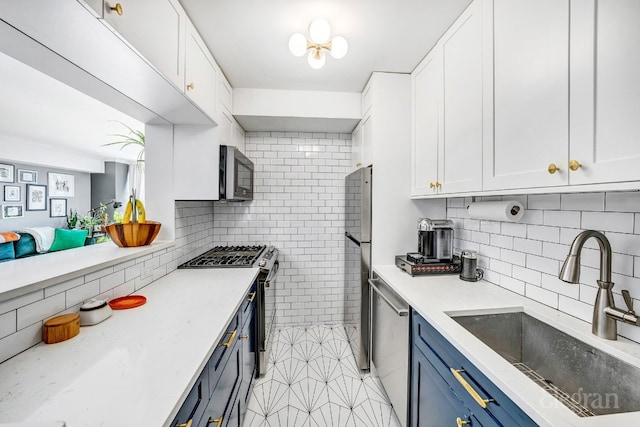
[{"x": 249, "y": 38}]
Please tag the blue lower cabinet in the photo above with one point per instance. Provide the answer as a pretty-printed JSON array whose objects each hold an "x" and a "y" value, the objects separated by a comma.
[
  {"x": 220, "y": 395},
  {"x": 489, "y": 406},
  {"x": 434, "y": 404}
]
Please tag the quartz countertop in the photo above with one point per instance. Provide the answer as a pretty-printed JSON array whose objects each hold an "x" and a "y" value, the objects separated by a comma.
[
  {"x": 24, "y": 275},
  {"x": 136, "y": 367},
  {"x": 438, "y": 297}
]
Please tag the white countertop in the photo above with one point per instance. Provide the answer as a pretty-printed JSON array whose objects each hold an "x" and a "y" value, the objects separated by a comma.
[
  {"x": 24, "y": 275},
  {"x": 133, "y": 369},
  {"x": 436, "y": 297}
]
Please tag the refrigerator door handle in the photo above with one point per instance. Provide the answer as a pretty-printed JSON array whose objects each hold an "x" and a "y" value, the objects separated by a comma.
[{"x": 350, "y": 237}]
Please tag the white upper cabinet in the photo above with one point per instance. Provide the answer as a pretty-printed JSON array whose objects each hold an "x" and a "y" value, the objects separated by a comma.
[
  {"x": 238, "y": 137},
  {"x": 605, "y": 91},
  {"x": 367, "y": 141},
  {"x": 155, "y": 28},
  {"x": 201, "y": 73},
  {"x": 460, "y": 141},
  {"x": 446, "y": 110},
  {"x": 530, "y": 87},
  {"x": 356, "y": 147},
  {"x": 426, "y": 93},
  {"x": 225, "y": 127}
]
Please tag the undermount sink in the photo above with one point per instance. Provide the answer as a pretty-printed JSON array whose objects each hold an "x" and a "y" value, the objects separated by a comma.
[{"x": 586, "y": 380}]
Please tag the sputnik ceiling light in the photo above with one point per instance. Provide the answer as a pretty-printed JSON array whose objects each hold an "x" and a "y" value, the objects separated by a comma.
[{"x": 317, "y": 43}]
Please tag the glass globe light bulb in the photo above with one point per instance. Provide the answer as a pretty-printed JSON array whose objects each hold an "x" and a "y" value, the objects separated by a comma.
[
  {"x": 319, "y": 31},
  {"x": 298, "y": 44},
  {"x": 339, "y": 47},
  {"x": 316, "y": 59}
]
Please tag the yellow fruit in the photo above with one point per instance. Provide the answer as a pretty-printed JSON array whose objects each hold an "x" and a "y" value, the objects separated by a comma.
[
  {"x": 142, "y": 214},
  {"x": 126, "y": 218}
]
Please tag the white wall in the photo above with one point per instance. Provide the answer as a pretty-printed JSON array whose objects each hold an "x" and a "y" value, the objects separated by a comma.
[{"x": 526, "y": 257}]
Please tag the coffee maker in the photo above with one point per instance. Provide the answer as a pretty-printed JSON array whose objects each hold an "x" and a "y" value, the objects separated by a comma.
[
  {"x": 435, "y": 239},
  {"x": 435, "y": 250}
]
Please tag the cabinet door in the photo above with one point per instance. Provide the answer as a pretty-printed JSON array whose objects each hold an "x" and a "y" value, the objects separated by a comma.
[
  {"x": 433, "y": 403},
  {"x": 460, "y": 141},
  {"x": 156, "y": 29},
  {"x": 249, "y": 345},
  {"x": 238, "y": 136},
  {"x": 530, "y": 86},
  {"x": 367, "y": 141},
  {"x": 225, "y": 391},
  {"x": 356, "y": 147},
  {"x": 200, "y": 73},
  {"x": 605, "y": 91},
  {"x": 225, "y": 127},
  {"x": 426, "y": 94}
]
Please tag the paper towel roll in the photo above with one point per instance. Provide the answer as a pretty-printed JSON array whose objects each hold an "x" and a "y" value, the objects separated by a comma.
[{"x": 506, "y": 210}]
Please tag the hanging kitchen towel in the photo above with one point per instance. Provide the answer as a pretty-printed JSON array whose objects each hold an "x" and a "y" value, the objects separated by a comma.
[{"x": 43, "y": 237}]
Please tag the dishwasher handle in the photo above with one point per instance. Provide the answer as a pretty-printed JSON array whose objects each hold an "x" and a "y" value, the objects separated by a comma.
[{"x": 387, "y": 299}]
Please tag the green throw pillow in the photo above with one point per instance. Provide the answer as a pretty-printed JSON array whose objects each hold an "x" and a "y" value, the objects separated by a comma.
[{"x": 67, "y": 239}]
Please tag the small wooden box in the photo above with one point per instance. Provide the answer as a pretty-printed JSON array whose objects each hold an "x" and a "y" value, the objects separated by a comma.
[{"x": 61, "y": 328}]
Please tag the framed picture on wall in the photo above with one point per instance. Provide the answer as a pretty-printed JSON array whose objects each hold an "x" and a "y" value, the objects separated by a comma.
[
  {"x": 7, "y": 172},
  {"x": 11, "y": 193},
  {"x": 61, "y": 185},
  {"x": 58, "y": 208},
  {"x": 36, "y": 197},
  {"x": 12, "y": 211},
  {"x": 26, "y": 176}
]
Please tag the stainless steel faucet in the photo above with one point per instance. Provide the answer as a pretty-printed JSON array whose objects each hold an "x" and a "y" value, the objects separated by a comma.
[{"x": 605, "y": 312}]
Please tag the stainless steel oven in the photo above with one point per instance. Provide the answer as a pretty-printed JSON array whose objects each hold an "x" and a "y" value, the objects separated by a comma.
[{"x": 236, "y": 175}]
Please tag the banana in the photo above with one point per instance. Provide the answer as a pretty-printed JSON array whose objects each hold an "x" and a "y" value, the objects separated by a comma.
[
  {"x": 142, "y": 214},
  {"x": 126, "y": 219}
]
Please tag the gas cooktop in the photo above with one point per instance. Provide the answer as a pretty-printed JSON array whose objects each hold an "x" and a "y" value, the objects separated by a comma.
[{"x": 226, "y": 256}]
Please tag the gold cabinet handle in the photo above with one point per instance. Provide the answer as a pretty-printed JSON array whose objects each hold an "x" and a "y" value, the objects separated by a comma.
[
  {"x": 231, "y": 338},
  {"x": 574, "y": 165},
  {"x": 553, "y": 168},
  {"x": 244, "y": 337},
  {"x": 358, "y": 164},
  {"x": 460, "y": 422},
  {"x": 482, "y": 402},
  {"x": 117, "y": 9},
  {"x": 218, "y": 421},
  {"x": 252, "y": 297},
  {"x": 191, "y": 86},
  {"x": 187, "y": 424}
]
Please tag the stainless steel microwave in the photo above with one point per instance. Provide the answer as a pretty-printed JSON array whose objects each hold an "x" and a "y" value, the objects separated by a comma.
[{"x": 236, "y": 175}]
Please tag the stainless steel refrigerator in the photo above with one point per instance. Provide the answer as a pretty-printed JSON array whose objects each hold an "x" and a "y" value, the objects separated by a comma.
[{"x": 358, "y": 262}]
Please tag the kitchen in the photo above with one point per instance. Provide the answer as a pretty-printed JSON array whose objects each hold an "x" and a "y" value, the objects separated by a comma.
[{"x": 523, "y": 257}]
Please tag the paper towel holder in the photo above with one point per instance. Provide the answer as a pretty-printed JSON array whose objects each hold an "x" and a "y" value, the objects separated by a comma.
[{"x": 503, "y": 210}]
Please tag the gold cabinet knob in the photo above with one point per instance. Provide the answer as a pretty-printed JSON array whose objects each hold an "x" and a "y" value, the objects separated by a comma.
[
  {"x": 553, "y": 168},
  {"x": 438, "y": 185},
  {"x": 460, "y": 422},
  {"x": 432, "y": 185},
  {"x": 574, "y": 165},
  {"x": 358, "y": 164},
  {"x": 191, "y": 86},
  {"x": 117, "y": 9}
]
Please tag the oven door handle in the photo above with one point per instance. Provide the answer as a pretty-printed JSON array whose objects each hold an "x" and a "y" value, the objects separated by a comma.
[{"x": 272, "y": 274}]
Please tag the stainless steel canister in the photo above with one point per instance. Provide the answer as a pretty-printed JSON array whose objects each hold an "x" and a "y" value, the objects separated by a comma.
[{"x": 470, "y": 271}]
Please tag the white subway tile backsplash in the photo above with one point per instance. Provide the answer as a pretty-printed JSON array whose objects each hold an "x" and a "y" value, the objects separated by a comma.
[
  {"x": 608, "y": 221},
  {"x": 544, "y": 233},
  {"x": 542, "y": 295},
  {"x": 514, "y": 229},
  {"x": 61, "y": 287},
  {"x": 543, "y": 201},
  {"x": 575, "y": 308},
  {"x": 625, "y": 243},
  {"x": 535, "y": 217},
  {"x": 513, "y": 257},
  {"x": 40, "y": 310},
  {"x": 544, "y": 265},
  {"x": 624, "y": 201},
  {"x": 556, "y": 285},
  {"x": 82, "y": 293},
  {"x": 527, "y": 275},
  {"x": 8, "y": 323},
  {"x": 20, "y": 341},
  {"x": 562, "y": 218},
  {"x": 502, "y": 241},
  {"x": 533, "y": 247},
  {"x": 514, "y": 285},
  {"x": 582, "y": 202},
  {"x": 21, "y": 301}
]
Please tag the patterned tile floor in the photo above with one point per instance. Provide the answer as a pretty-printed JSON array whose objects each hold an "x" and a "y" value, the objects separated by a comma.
[{"x": 312, "y": 381}]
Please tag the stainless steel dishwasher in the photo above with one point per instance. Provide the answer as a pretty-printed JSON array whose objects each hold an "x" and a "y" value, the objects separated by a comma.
[{"x": 390, "y": 344}]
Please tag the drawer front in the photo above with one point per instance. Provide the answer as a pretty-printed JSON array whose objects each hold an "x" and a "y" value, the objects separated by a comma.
[
  {"x": 195, "y": 403},
  {"x": 225, "y": 391},
  {"x": 249, "y": 303},
  {"x": 444, "y": 357},
  {"x": 223, "y": 350}
]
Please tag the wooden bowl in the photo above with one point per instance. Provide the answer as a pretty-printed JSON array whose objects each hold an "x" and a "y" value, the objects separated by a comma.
[{"x": 133, "y": 234}]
